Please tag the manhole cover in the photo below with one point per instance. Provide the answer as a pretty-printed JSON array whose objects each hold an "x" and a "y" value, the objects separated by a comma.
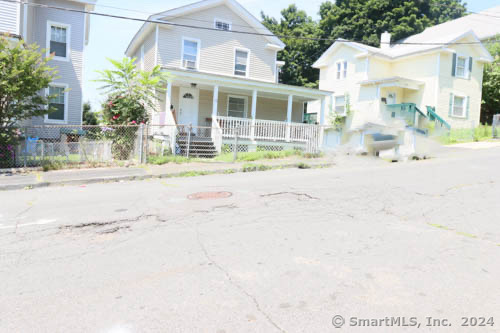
[{"x": 209, "y": 195}]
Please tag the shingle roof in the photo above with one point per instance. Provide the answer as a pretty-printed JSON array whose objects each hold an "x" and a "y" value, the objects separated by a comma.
[{"x": 484, "y": 25}]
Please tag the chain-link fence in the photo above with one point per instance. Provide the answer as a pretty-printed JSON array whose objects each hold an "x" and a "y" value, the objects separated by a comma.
[
  {"x": 84, "y": 145},
  {"x": 470, "y": 133},
  {"x": 36, "y": 146}
]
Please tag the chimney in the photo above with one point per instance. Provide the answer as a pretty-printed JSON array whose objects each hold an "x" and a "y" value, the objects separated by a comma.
[{"x": 385, "y": 40}]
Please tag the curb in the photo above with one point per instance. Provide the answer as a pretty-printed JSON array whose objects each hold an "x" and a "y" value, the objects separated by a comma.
[{"x": 116, "y": 179}]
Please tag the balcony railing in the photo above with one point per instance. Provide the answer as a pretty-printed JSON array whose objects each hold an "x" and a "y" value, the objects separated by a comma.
[{"x": 271, "y": 130}]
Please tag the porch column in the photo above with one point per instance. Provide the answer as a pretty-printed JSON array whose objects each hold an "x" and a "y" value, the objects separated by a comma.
[
  {"x": 168, "y": 101},
  {"x": 322, "y": 121},
  {"x": 322, "y": 111},
  {"x": 254, "y": 113},
  {"x": 289, "y": 117},
  {"x": 215, "y": 102}
]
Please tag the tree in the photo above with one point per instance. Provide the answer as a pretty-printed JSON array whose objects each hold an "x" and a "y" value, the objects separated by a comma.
[
  {"x": 131, "y": 92},
  {"x": 89, "y": 117},
  {"x": 366, "y": 20},
  {"x": 491, "y": 85},
  {"x": 23, "y": 74},
  {"x": 299, "y": 54}
]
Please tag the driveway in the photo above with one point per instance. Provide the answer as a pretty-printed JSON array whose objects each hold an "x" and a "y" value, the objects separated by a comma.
[{"x": 286, "y": 252}]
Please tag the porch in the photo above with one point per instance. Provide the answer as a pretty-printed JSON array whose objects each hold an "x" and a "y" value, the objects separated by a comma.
[{"x": 254, "y": 111}]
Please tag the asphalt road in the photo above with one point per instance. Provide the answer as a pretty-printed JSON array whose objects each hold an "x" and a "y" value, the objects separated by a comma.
[{"x": 286, "y": 252}]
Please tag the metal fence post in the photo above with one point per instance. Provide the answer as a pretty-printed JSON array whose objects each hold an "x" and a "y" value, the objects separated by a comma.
[
  {"x": 25, "y": 147},
  {"x": 472, "y": 131},
  {"x": 188, "y": 140},
  {"x": 147, "y": 145},
  {"x": 235, "y": 145},
  {"x": 141, "y": 132}
]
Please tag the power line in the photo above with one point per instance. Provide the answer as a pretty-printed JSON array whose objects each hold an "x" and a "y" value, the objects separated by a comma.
[{"x": 218, "y": 30}]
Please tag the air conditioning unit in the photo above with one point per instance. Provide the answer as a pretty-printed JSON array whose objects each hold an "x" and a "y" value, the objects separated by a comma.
[{"x": 189, "y": 64}]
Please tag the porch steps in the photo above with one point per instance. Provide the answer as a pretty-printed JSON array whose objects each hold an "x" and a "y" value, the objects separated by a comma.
[{"x": 202, "y": 147}]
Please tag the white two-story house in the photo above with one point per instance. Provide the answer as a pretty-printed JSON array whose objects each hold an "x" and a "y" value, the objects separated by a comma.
[
  {"x": 435, "y": 75},
  {"x": 224, "y": 74},
  {"x": 64, "y": 34}
]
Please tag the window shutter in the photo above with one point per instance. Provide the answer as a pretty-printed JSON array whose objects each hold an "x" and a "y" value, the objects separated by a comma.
[
  {"x": 450, "y": 112},
  {"x": 454, "y": 68},
  {"x": 467, "y": 103},
  {"x": 470, "y": 66}
]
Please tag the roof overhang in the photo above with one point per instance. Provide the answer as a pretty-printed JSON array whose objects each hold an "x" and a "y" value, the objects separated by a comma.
[
  {"x": 323, "y": 60},
  {"x": 245, "y": 84},
  {"x": 273, "y": 42},
  {"x": 396, "y": 81}
]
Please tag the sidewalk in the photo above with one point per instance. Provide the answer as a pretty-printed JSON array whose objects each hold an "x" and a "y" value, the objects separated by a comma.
[{"x": 102, "y": 175}]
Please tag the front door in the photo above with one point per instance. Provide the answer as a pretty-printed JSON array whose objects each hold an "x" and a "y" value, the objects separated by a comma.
[{"x": 188, "y": 106}]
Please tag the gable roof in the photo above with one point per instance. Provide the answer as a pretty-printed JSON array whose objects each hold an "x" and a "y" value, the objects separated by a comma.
[
  {"x": 437, "y": 43},
  {"x": 239, "y": 10},
  {"x": 477, "y": 27},
  {"x": 485, "y": 24}
]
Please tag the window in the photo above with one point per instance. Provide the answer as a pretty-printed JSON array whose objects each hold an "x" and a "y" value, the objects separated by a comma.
[
  {"x": 236, "y": 106},
  {"x": 458, "y": 106},
  {"x": 241, "y": 63},
  {"x": 57, "y": 102},
  {"x": 341, "y": 70},
  {"x": 340, "y": 104},
  {"x": 58, "y": 40},
  {"x": 222, "y": 25},
  {"x": 461, "y": 66},
  {"x": 190, "y": 53}
]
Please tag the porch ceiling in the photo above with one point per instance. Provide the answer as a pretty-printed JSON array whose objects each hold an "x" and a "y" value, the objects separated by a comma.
[
  {"x": 207, "y": 81},
  {"x": 395, "y": 81}
]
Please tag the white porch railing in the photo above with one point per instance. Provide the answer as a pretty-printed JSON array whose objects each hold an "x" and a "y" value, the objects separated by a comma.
[{"x": 272, "y": 130}]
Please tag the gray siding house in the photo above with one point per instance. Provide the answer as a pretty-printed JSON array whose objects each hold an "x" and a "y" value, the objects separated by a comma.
[
  {"x": 62, "y": 33},
  {"x": 224, "y": 69}
]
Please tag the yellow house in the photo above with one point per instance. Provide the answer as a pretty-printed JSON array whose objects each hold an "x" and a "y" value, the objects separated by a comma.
[{"x": 437, "y": 77}]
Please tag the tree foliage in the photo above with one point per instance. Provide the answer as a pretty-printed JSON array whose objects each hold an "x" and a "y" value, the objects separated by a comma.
[
  {"x": 131, "y": 91},
  {"x": 299, "y": 54},
  {"x": 365, "y": 21},
  {"x": 359, "y": 20},
  {"x": 491, "y": 85},
  {"x": 23, "y": 74},
  {"x": 89, "y": 117}
]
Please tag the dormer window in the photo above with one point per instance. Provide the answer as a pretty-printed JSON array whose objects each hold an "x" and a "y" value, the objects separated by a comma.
[
  {"x": 190, "y": 53},
  {"x": 222, "y": 25}
]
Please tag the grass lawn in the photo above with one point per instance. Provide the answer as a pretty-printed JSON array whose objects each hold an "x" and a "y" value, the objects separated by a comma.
[
  {"x": 460, "y": 135},
  {"x": 228, "y": 157}
]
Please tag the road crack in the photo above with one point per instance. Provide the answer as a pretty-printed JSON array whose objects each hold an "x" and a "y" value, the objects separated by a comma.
[
  {"x": 234, "y": 283},
  {"x": 300, "y": 196}
]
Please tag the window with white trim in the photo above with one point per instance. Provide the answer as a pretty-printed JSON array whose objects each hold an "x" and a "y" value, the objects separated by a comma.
[
  {"x": 57, "y": 102},
  {"x": 222, "y": 25},
  {"x": 461, "y": 67},
  {"x": 459, "y": 106},
  {"x": 58, "y": 37},
  {"x": 340, "y": 104},
  {"x": 190, "y": 50},
  {"x": 241, "y": 63},
  {"x": 236, "y": 106},
  {"x": 341, "y": 70}
]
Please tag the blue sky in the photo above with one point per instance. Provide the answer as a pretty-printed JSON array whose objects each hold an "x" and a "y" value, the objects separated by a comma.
[{"x": 110, "y": 37}]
